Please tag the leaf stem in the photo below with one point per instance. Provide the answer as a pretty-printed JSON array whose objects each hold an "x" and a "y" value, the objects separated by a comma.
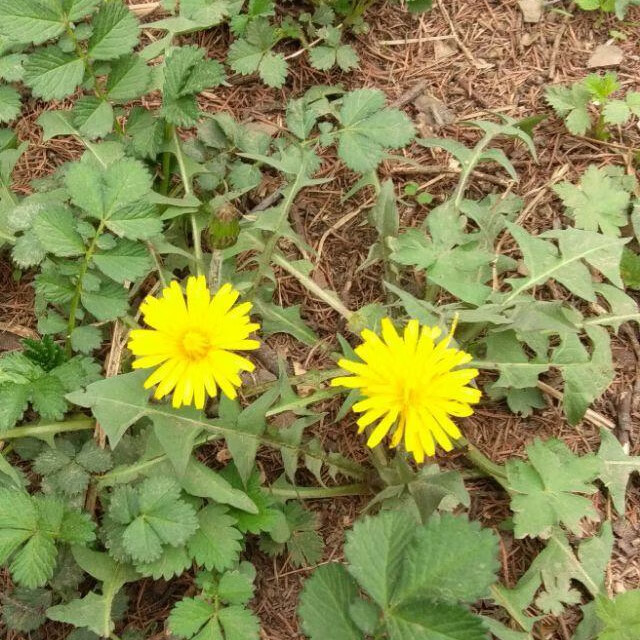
[
  {"x": 314, "y": 493},
  {"x": 47, "y": 429},
  {"x": 467, "y": 169},
  {"x": 73, "y": 308},
  {"x": 188, "y": 191}
]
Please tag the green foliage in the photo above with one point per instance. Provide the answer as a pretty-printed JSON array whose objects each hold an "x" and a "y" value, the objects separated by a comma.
[
  {"x": 407, "y": 595},
  {"x": 619, "y": 7},
  {"x": 30, "y": 529},
  {"x": 304, "y": 546},
  {"x": 220, "y": 609},
  {"x": 600, "y": 201},
  {"x": 594, "y": 92},
  {"x": 142, "y": 521},
  {"x": 619, "y": 617},
  {"x": 24, "y": 383},
  {"x": 68, "y": 468},
  {"x": 547, "y": 489},
  {"x": 24, "y": 609}
]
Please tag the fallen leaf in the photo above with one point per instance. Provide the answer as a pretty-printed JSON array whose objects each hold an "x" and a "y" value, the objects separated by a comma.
[
  {"x": 435, "y": 112},
  {"x": 443, "y": 50},
  {"x": 605, "y": 55},
  {"x": 531, "y": 10}
]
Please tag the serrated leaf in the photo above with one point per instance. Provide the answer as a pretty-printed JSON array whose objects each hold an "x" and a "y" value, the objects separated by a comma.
[
  {"x": 86, "y": 339},
  {"x": 56, "y": 230},
  {"x": 109, "y": 302},
  {"x": 115, "y": 32},
  {"x": 93, "y": 117},
  {"x": 31, "y": 21},
  {"x": 620, "y": 616},
  {"x": 10, "y": 104},
  {"x": 565, "y": 263},
  {"x": 53, "y": 74},
  {"x": 375, "y": 549},
  {"x": 437, "y": 621},
  {"x": 163, "y": 519},
  {"x": 215, "y": 545},
  {"x": 616, "y": 468},
  {"x": 367, "y": 129},
  {"x": 34, "y": 563},
  {"x": 324, "y": 603},
  {"x": 14, "y": 399},
  {"x": 173, "y": 562},
  {"x": 140, "y": 221},
  {"x": 126, "y": 261},
  {"x": 104, "y": 193},
  {"x": 24, "y": 609},
  {"x": 599, "y": 201},
  {"x": 547, "y": 489},
  {"x": 130, "y": 78}
]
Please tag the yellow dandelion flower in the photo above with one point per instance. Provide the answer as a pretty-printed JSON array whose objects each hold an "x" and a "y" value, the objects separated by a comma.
[
  {"x": 410, "y": 384},
  {"x": 192, "y": 342}
]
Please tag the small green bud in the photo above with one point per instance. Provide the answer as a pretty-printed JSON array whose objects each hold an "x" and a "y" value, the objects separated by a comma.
[{"x": 224, "y": 227}]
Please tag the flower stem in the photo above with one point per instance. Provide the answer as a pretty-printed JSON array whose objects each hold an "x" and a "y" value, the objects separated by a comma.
[{"x": 480, "y": 461}]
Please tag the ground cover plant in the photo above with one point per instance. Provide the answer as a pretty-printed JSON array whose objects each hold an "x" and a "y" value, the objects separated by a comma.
[{"x": 192, "y": 398}]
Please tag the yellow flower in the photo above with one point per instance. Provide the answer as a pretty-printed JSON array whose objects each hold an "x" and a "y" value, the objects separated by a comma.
[
  {"x": 192, "y": 343},
  {"x": 410, "y": 384}
]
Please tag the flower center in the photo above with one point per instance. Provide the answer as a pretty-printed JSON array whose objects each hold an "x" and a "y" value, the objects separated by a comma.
[{"x": 195, "y": 344}]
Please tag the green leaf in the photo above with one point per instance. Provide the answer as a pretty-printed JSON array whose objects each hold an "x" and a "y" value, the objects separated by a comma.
[
  {"x": 546, "y": 489},
  {"x": 437, "y": 621},
  {"x": 31, "y": 21},
  {"x": 571, "y": 103},
  {"x": 15, "y": 400},
  {"x": 53, "y": 74},
  {"x": 216, "y": 543},
  {"x": 599, "y": 201},
  {"x": 104, "y": 194},
  {"x": 10, "y": 104},
  {"x": 162, "y": 519},
  {"x": 173, "y": 562},
  {"x": 193, "y": 616},
  {"x": 616, "y": 112},
  {"x": 115, "y": 32},
  {"x": 616, "y": 468},
  {"x": 86, "y": 339},
  {"x": 186, "y": 73},
  {"x": 375, "y": 549},
  {"x": 463, "y": 562},
  {"x": 621, "y": 616},
  {"x": 140, "y": 221},
  {"x": 251, "y": 420},
  {"x": 130, "y": 78},
  {"x": 629, "y": 269},
  {"x": 127, "y": 260},
  {"x": 24, "y": 609},
  {"x": 92, "y": 612},
  {"x": 368, "y": 128},
  {"x": 565, "y": 264},
  {"x": 93, "y": 117},
  {"x": 324, "y": 604},
  {"x": 56, "y": 230},
  {"x": 108, "y": 303}
]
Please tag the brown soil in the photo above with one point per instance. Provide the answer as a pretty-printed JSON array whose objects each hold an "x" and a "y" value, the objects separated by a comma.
[{"x": 497, "y": 64}]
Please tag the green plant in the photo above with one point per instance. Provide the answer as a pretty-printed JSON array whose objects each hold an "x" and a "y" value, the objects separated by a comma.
[
  {"x": 619, "y": 7},
  {"x": 99, "y": 480},
  {"x": 572, "y": 104}
]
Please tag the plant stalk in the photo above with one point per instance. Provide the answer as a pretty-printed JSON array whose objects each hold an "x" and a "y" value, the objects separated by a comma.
[{"x": 314, "y": 493}]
